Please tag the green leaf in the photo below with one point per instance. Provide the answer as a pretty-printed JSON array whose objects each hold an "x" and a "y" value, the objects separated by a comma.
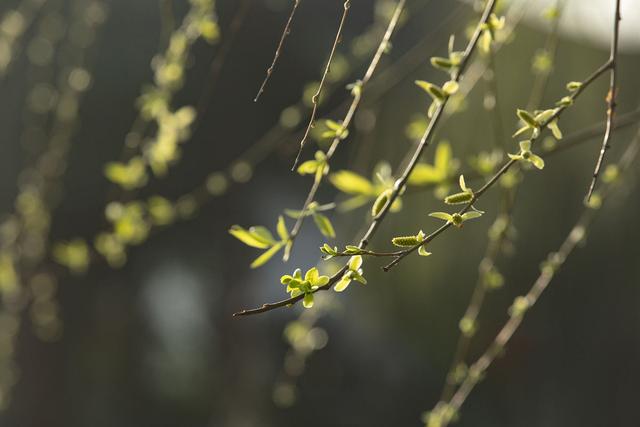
[
  {"x": 537, "y": 161},
  {"x": 526, "y": 117},
  {"x": 353, "y": 203},
  {"x": 307, "y": 301},
  {"x": 380, "y": 203},
  {"x": 352, "y": 183},
  {"x": 542, "y": 117},
  {"x": 434, "y": 91},
  {"x": 425, "y": 174},
  {"x": 422, "y": 251},
  {"x": 312, "y": 275},
  {"x": 248, "y": 238},
  {"x": 307, "y": 168},
  {"x": 525, "y": 145},
  {"x": 574, "y": 86},
  {"x": 294, "y": 213},
  {"x": 441, "y": 63},
  {"x": 471, "y": 215},
  {"x": 443, "y": 157},
  {"x": 343, "y": 283},
  {"x": 355, "y": 262},
  {"x": 324, "y": 225},
  {"x": 282, "y": 229},
  {"x": 263, "y": 233},
  {"x": 442, "y": 215},
  {"x": 450, "y": 87},
  {"x": 266, "y": 256},
  {"x": 555, "y": 129}
]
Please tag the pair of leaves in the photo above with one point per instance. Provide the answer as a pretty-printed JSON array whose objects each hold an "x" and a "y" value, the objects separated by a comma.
[
  {"x": 438, "y": 94},
  {"x": 261, "y": 238},
  {"x": 335, "y": 130},
  {"x": 534, "y": 122},
  {"x": 489, "y": 30},
  {"x": 450, "y": 64},
  {"x": 456, "y": 219},
  {"x": 354, "y": 272},
  {"x": 527, "y": 156}
]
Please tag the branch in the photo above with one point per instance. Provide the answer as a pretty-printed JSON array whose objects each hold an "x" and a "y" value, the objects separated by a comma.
[
  {"x": 400, "y": 183},
  {"x": 574, "y": 237},
  {"x": 357, "y": 96},
  {"x": 316, "y": 96},
  {"x": 586, "y": 83},
  {"x": 611, "y": 97},
  {"x": 285, "y": 33}
]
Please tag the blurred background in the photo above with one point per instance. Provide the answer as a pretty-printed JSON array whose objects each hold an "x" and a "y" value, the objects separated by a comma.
[{"x": 150, "y": 340}]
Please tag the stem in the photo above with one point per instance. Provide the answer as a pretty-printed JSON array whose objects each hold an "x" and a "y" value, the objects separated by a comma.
[
  {"x": 285, "y": 33},
  {"x": 586, "y": 83},
  {"x": 611, "y": 97},
  {"x": 351, "y": 111},
  {"x": 316, "y": 96},
  {"x": 574, "y": 237}
]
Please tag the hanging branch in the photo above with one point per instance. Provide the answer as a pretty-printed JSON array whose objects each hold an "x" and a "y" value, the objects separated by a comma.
[
  {"x": 346, "y": 121},
  {"x": 488, "y": 276},
  {"x": 400, "y": 183},
  {"x": 316, "y": 96},
  {"x": 580, "y": 87},
  {"x": 285, "y": 33},
  {"x": 446, "y": 410},
  {"x": 611, "y": 97}
]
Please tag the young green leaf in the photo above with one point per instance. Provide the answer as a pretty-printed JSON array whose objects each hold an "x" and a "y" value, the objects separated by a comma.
[
  {"x": 266, "y": 256},
  {"x": 249, "y": 238},
  {"x": 282, "y": 229},
  {"x": 324, "y": 225},
  {"x": 352, "y": 183}
]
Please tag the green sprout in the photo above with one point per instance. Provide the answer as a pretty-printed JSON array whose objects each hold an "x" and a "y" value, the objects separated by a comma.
[
  {"x": 534, "y": 122},
  {"x": 318, "y": 167},
  {"x": 297, "y": 286},
  {"x": 526, "y": 155},
  {"x": 437, "y": 93},
  {"x": 456, "y": 219},
  {"x": 354, "y": 272},
  {"x": 451, "y": 64},
  {"x": 489, "y": 30},
  {"x": 412, "y": 241},
  {"x": 465, "y": 196},
  {"x": 334, "y": 130}
]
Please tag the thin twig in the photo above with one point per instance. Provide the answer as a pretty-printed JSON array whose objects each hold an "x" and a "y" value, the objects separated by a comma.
[
  {"x": 316, "y": 96},
  {"x": 586, "y": 83},
  {"x": 574, "y": 237},
  {"x": 285, "y": 33},
  {"x": 357, "y": 96},
  {"x": 503, "y": 220},
  {"x": 401, "y": 182},
  {"x": 611, "y": 96}
]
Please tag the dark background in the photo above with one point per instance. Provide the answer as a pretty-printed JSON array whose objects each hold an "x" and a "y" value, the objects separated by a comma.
[{"x": 154, "y": 343}]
